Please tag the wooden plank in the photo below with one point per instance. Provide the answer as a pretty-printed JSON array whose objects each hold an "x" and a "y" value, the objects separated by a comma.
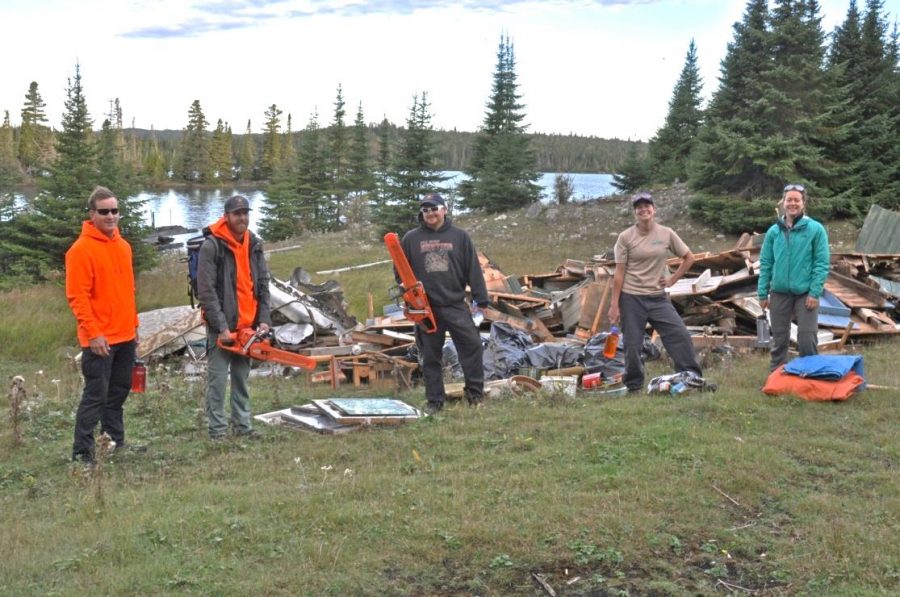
[
  {"x": 697, "y": 284},
  {"x": 875, "y": 297},
  {"x": 517, "y": 297},
  {"x": 714, "y": 341},
  {"x": 601, "y": 308},
  {"x": 380, "y": 339}
]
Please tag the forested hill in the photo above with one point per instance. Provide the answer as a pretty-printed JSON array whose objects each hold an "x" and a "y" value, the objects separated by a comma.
[{"x": 553, "y": 153}]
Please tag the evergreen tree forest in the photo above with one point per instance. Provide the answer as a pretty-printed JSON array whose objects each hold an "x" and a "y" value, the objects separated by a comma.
[{"x": 793, "y": 105}]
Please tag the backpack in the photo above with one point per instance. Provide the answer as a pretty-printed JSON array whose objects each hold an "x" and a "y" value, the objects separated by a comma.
[{"x": 193, "y": 245}]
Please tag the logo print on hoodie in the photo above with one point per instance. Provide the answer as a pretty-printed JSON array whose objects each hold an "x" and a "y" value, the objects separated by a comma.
[{"x": 437, "y": 255}]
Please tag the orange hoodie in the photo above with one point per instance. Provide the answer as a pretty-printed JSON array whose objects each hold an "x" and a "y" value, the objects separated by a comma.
[
  {"x": 100, "y": 286},
  {"x": 246, "y": 300}
]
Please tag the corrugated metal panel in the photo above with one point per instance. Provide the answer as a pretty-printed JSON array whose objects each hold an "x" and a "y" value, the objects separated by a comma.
[
  {"x": 880, "y": 233},
  {"x": 889, "y": 286}
]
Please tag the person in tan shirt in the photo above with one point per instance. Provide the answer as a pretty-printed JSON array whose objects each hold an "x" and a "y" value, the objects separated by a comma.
[{"x": 639, "y": 291}]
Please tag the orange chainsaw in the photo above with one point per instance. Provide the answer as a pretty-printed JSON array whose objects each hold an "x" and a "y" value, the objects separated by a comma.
[
  {"x": 416, "y": 306},
  {"x": 257, "y": 345}
]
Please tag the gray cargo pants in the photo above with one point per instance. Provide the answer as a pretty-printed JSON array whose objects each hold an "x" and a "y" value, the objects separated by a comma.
[
  {"x": 783, "y": 308},
  {"x": 222, "y": 365},
  {"x": 657, "y": 309}
]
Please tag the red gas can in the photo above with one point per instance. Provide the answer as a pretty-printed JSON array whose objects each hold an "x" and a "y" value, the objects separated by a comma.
[{"x": 138, "y": 377}]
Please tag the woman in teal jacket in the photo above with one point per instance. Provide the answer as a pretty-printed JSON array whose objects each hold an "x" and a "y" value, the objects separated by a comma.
[{"x": 794, "y": 263}]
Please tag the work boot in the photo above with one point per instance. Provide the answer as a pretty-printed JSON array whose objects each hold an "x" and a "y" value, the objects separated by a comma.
[
  {"x": 129, "y": 448},
  {"x": 251, "y": 434},
  {"x": 433, "y": 408}
]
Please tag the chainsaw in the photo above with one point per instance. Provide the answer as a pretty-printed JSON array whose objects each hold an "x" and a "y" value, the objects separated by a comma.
[
  {"x": 257, "y": 345},
  {"x": 416, "y": 306}
]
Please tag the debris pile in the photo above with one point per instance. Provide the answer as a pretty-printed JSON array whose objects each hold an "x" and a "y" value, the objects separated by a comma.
[{"x": 554, "y": 323}]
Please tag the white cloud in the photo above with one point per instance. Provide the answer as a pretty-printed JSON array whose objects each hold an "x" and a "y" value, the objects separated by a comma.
[{"x": 602, "y": 68}]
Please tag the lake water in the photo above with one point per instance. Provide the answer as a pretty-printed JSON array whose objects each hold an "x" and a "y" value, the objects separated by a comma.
[{"x": 196, "y": 208}]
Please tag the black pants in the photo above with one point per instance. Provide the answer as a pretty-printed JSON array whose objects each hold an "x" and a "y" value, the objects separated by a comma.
[
  {"x": 456, "y": 319},
  {"x": 107, "y": 381},
  {"x": 657, "y": 309}
]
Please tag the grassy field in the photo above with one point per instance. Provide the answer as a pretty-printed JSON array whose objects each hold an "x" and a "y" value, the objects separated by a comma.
[{"x": 726, "y": 493}]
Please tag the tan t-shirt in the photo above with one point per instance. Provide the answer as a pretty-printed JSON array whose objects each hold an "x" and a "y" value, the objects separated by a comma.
[{"x": 644, "y": 256}]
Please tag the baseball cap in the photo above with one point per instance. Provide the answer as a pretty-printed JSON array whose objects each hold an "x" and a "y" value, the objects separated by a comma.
[
  {"x": 647, "y": 197},
  {"x": 235, "y": 203},
  {"x": 433, "y": 199}
]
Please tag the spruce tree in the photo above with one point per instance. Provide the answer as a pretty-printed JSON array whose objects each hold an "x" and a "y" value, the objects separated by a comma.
[
  {"x": 501, "y": 172},
  {"x": 247, "y": 158},
  {"x": 10, "y": 171},
  {"x": 383, "y": 159},
  {"x": 194, "y": 162},
  {"x": 359, "y": 169},
  {"x": 876, "y": 171},
  {"x": 220, "y": 153},
  {"x": 288, "y": 146},
  {"x": 271, "y": 154},
  {"x": 316, "y": 211},
  {"x": 673, "y": 143},
  {"x": 154, "y": 165},
  {"x": 281, "y": 214},
  {"x": 338, "y": 157},
  {"x": 35, "y": 137},
  {"x": 723, "y": 158},
  {"x": 634, "y": 173},
  {"x": 414, "y": 172}
]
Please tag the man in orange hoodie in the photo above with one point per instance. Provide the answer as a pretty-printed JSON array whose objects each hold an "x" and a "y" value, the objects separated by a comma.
[
  {"x": 100, "y": 290},
  {"x": 233, "y": 288}
]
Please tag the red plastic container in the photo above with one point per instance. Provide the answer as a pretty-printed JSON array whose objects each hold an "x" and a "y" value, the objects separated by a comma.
[
  {"x": 139, "y": 377},
  {"x": 591, "y": 380}
]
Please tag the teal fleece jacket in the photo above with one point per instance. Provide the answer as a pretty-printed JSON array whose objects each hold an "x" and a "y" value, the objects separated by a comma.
[{"x": 794, "y": 260}]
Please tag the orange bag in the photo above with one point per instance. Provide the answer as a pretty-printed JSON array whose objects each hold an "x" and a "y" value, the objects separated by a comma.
[{"x": 807, "y": 388}]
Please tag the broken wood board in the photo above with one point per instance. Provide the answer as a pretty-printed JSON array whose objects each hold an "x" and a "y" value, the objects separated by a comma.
[
  {"x": 854, "y": 293},
  {"x": 370, "y": 338}
]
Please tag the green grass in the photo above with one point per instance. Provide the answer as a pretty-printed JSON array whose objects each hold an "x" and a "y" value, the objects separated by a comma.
[{"x": 636, "y": 495}]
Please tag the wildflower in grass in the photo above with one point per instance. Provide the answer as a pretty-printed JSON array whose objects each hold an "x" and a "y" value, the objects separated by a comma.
[{"x": 348, "y": 472}]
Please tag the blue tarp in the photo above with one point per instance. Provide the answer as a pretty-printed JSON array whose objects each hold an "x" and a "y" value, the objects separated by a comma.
[{"x": 828, "y": 367}]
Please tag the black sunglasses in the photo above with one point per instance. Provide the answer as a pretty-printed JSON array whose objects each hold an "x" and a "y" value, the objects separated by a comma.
[
  {"x": 795, "y": 187},
  {"x": 430, "y": 208},
  {"x": 104, "y": 211}
]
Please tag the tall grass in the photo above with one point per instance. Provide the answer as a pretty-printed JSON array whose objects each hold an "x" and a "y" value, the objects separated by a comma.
[{"x": 634, "y": 494}]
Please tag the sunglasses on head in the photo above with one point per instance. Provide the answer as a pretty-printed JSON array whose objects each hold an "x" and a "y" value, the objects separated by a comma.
[
  {"x": 105, "y": 211},
  {"x": 429, "y": 209},
  {"x": 795, "y": 187}
]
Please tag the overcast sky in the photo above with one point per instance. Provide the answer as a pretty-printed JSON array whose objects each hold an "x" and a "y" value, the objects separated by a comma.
[{"x": 590, "y": 67}]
